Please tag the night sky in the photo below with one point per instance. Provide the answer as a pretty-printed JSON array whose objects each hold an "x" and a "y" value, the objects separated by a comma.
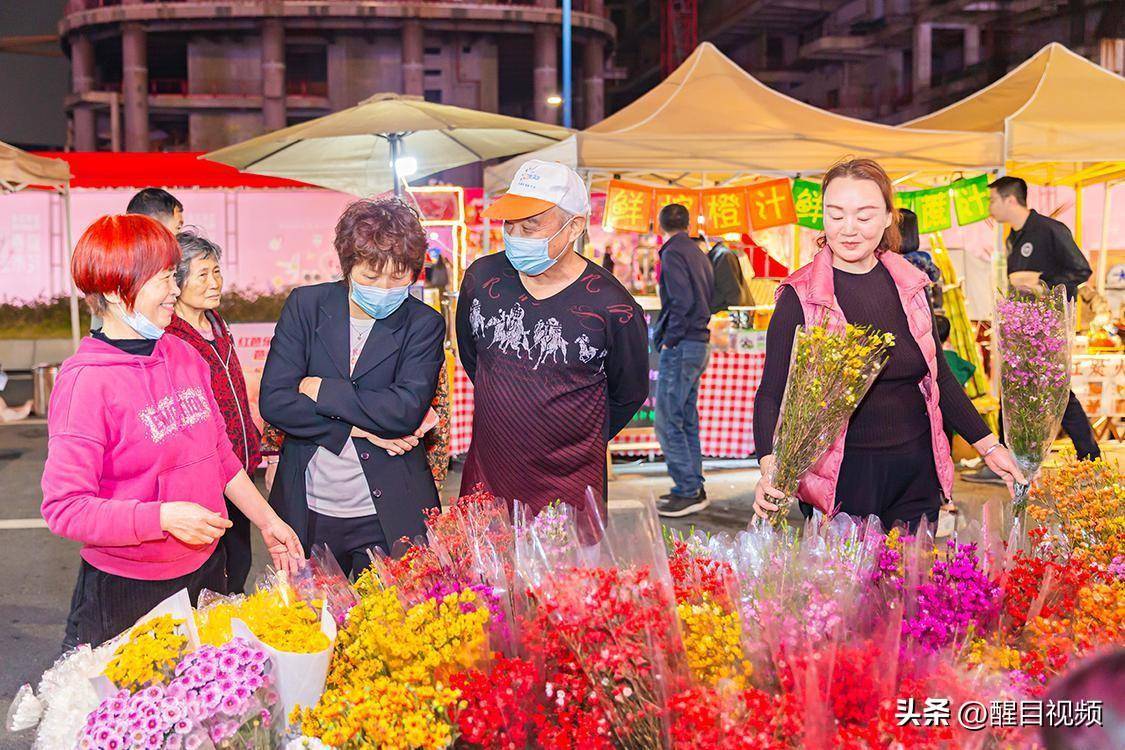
[{"x": 32, "y": 88}]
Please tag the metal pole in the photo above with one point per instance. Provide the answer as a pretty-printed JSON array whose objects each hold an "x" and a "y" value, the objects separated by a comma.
[
  {"x": 568, "y": 88},
  {"x": 1103, "y": 248},
  {"x": 396, "y": 147},
  {"x": 75, "y": 333}
]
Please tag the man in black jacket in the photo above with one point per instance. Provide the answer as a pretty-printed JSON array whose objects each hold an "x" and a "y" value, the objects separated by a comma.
[
  {"x": 681, "y": 337},
  {"x": 731, "y": 289},
  {"x": 1042, "y": 248}
]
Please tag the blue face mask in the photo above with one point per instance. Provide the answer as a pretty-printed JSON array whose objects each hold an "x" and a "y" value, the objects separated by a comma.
[
  {"x": 142, "y": 325},
  {"x": 531, "y": 255},
  {"x": 378, "y": 302}
]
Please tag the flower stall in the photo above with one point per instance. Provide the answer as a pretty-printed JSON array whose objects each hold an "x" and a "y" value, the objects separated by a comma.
[{"x": 564, "y": 630}]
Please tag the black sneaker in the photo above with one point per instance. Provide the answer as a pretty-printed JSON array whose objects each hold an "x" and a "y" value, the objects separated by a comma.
[
  {"x": 983, "y": 475},
  {"x": 679, "y": 506},
  {"x": 702, "y": 495}
]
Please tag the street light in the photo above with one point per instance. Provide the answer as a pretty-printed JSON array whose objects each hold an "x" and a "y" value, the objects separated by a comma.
[{"x": 554, "y": 100}]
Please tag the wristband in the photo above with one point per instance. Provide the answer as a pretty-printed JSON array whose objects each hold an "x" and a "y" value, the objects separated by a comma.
[{"x": 990, "y": 450}]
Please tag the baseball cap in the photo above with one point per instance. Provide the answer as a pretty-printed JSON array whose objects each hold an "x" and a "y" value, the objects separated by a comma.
[{"x": 537, "y": 186}]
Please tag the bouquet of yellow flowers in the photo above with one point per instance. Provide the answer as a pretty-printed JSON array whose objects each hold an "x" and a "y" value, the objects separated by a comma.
[
  {"x": 276, "y": 616},
  {"x": 388, "y": 686},
  {"x": 830, "y": 373},
  {"x": 150, "y": 655}
]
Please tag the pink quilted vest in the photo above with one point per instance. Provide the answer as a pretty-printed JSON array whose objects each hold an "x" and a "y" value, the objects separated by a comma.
[{"x": 814, "y": 287}]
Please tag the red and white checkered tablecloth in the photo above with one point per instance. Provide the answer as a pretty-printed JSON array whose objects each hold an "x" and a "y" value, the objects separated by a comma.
[{"x": 726, "y": 407}]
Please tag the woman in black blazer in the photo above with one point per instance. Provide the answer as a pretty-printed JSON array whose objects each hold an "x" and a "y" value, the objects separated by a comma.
[{"x": 350, "y": 375}]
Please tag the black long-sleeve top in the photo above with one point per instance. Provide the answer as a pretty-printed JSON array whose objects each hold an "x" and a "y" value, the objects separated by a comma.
[
  {"x": 1046, "y": 245},
  {"x": 554, "y": 379},
  {"x": 894, "y": 411},
  {"x": 687, "y": 283}
]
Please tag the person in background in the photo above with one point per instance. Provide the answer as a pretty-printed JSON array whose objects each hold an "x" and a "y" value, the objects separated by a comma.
[
  {"x": 138, "y": 458},
  {"x": 557, "y": 350},
  {"x": 731, "y": 289},
  {"x": 893, "y": 458},
  {"x": 197, "y": 322},
  {"x": 1041, "y": 249},
  {"x": 961, "y": 368},
  {"x": 351, "y": 373},
  {"x": 682, "y": 337},
  {"x": 160, "y": 205},
  {"x": 920, "y": 259}
]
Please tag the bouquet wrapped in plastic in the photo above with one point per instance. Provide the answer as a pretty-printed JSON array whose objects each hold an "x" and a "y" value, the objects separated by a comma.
[
  {"x": 388, "y": 686},
  {"x": 1034, "y": 338},
  {"x": 829, "y": 374},
  {"x": 298, "y": 635},
  {"x": 601, "y": 626}
]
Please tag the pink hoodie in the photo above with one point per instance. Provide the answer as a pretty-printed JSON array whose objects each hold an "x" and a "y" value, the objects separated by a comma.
[{"x": 128, "y": 432}]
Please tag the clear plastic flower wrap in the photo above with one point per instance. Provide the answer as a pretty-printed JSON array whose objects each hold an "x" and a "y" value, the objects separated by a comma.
[
  {"x": 321, "y": 579},
  {"x": 830, "y": 371},
  {"x": 1034, "y": 331},
  {"x": 601, "y": 625}
]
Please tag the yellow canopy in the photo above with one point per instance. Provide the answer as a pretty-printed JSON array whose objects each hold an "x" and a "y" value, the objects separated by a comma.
[
  {"x": 19, "y": 169},
  {"x": 1060, "y": 115},
  {"x": 711, "y": 117}
]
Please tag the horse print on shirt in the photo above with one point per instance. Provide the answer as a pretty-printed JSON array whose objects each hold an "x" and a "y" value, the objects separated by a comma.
[
  {"x": 547, "y": 339},
  {"x": 172, "y": 414}
]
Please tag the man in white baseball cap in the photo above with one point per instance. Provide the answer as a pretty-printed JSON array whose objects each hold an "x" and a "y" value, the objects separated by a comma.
[{"x": 556, "y": 347}]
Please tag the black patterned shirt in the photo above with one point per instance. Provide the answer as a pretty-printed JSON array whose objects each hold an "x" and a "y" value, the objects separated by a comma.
[{"x": 554, "y": 380}]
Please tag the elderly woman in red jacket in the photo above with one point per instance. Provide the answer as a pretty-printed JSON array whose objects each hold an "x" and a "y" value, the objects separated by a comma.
[{"x": 197, "y": 321}]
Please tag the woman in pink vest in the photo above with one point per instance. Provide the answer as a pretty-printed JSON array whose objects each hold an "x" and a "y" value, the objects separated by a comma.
[{"x": 893, "y": 459}]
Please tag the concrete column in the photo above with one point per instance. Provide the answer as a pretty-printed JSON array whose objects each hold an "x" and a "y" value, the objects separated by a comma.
[
  {"x": 594, "y": 67},
  {"x": 546, "y": 73},
  {"x": 413, "y": 58},
  {"x": 923, "y": 56},
  {"x": 972, "y": 45},
  {"x": 273, "y": 74},
  {"x": 82, "y": 76},
  {"x": 134, "y": 86}
]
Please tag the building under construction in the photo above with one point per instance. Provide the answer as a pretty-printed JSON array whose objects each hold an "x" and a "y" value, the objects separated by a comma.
[
  {"x": 887, "y": 60},
  {"x": 150, "y": 75}
]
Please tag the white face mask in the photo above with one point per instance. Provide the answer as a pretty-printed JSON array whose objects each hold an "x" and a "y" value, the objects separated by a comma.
[{"x": 139, "y": 323}]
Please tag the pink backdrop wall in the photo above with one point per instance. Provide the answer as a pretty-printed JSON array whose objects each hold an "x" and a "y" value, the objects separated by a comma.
[{"x": 277, "y": 239}]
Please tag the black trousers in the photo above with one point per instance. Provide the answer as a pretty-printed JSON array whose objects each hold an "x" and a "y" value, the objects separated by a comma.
[
  {"x": 1076, "y": 425},
  {"x": 899, "y": 485},
  {"x": 104, "y": 605},
  {"x": 348, "y": 539},
  {"x": 236, "y": 543}
]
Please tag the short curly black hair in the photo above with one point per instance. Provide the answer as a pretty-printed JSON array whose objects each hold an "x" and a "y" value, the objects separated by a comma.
[{"x": 381, "y": 232}]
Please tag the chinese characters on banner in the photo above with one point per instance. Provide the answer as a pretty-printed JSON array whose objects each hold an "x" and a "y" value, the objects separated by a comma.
[
  {"x": 724, "y": 211},
  {"x": 628, "y": 207},
  {"x": 771, "y": 204},
  {"x": 632, "y": 207},
  {"x": 970, "y": 199},
  {"x": 807, "y": 204},
  {"x": 689, "y": 199},
  {"x": 932, "y": 207}
]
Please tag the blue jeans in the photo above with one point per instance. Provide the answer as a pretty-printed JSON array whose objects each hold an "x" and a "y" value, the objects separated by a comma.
[{"x": 677, "y": 414}]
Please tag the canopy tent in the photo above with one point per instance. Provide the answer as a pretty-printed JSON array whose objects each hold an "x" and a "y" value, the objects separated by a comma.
[
  {"x": 356, "y": 150},
  {"x": 20, "y": 170},
  {"x": 711, "y": 121},
  {"x": 1062, "y": 118}
]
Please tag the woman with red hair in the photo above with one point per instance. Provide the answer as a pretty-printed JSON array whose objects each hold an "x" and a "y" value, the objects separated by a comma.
[
  {"x": 892, "y": 460},
  {"x": 138, "y": 457}
]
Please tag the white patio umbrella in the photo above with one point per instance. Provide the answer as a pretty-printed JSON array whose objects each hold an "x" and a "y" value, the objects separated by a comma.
[{"x": 360, "y": 150}]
